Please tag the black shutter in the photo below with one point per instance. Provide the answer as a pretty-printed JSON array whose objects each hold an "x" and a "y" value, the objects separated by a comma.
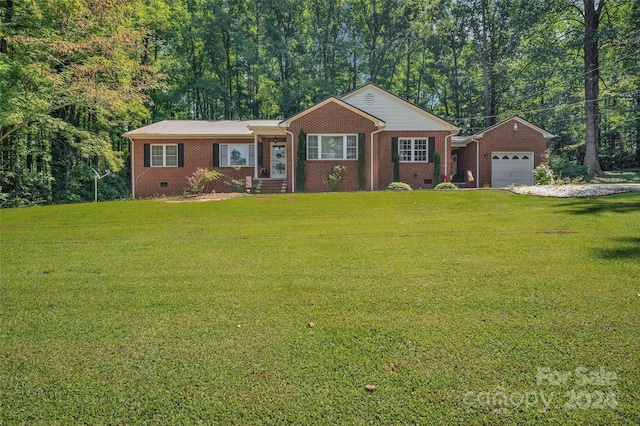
[
  {"x": 260, "y": 155},
  {"x": 432, "y": 148},
  {"x": 147, "y": 155},
  {"x": 216, "y": 155},
  {"x": 394, "y": 146},
  {"x": 180, "y": 155}
]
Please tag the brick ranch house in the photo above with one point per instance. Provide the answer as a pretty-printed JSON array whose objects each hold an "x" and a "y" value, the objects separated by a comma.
[{"x": 361, "y": 131}]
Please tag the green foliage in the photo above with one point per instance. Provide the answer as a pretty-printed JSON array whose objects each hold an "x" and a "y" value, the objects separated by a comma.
[
  {"x": 82, "y": 73},
  {"x": 335, "y": 176},
  {"x": 199, "y": 179},
  {"x": 399, "y": 186},
  {"x": 396, "y": 167},
  {"x": 301, "y": 161},
  {"x": 436, "y": 168},
  {"x": 564, "y": 168},
  {"x": 542, "y": 175},
  {"x": 445, "y": 185},
  {"x": 362, "y": 163}
]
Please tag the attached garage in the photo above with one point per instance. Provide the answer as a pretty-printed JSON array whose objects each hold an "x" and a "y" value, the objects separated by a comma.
[{"x": 511, "y": 168}]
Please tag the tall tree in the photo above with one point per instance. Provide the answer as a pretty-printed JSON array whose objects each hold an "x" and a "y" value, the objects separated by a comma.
[{"x": 591, "y": 13}]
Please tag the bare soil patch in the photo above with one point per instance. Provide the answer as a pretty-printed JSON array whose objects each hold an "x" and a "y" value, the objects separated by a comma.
[{"x": 204, "y": 197}]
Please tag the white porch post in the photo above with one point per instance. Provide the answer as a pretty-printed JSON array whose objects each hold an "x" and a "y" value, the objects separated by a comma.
[{"x": 255, "y": 156}]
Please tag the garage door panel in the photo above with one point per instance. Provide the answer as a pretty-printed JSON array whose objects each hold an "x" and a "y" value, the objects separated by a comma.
[{"x": 511, "y": 168}]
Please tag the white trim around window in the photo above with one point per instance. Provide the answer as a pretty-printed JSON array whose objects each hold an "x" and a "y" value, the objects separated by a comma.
[
  {"x": 237, "y": 155},
  {"x": 332, "y": 147},
  {"x": 164, "y": 155},
  {"x": 413, "y": 150}
]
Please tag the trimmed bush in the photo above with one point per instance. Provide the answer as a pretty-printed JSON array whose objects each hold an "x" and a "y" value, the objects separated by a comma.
[
  {"x": 436, "y": 168},
  {"x": 542, "y": 175},
  {"x": 396, "y": 167},
  {"x": 362, "y": 163},
  {"x": 445, "y": 185},
  {"x": 300, "y": 164},
  {"x": 399, "y": 186}
]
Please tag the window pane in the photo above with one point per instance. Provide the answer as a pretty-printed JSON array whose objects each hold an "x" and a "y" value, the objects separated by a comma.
[
  {"x": 238, "y": 155},
  {"x": 157, "y": 155},
  {"x": 332, "y": 147},
  {"x": 224, "y": 160},
  {"x": 404, "y": 149},
  {"x": 312, "y": 147},
  {"x": 420, "y": 150},
  {"x": 171, "y": 152},
  {"x": 352, "y": 147}
]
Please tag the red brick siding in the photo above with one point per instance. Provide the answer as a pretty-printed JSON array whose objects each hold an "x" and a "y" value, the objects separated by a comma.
[
  {"x": 412, "y": 173},
  {"x": 197, "y": 153},
  {"x": 467, "y": 161},
  {"x": 504, "y": 138},
  {"x": 332, "y": 118}
]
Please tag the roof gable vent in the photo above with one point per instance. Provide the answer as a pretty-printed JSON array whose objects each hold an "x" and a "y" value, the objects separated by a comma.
[{"x": 369, "y": 98}]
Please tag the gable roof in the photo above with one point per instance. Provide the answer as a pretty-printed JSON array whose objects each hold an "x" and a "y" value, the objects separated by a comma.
[
  {"x": 195, "y": 129},
  {"x": 398, "y": 113},
  {"x": 378, "y": 122},
  {"x": 520, "y": 120}
]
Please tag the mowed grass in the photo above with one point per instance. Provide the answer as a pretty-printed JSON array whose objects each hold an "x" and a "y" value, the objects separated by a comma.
[{"x": 449, "y": 303}]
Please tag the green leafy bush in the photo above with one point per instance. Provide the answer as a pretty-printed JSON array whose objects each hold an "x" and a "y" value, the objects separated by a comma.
[
  {"x": 399, "y": 186},
  {"x": 565, "y": 168},
  {"x": 335, "y": 176},
  {"x": 436, "y": 168},
  {"x": 199, "y": 179},
  {"x": 542, "y": 175},
  {"x": 396, "y": 167},
  {"x": 238, "y": 185},
  {"x": 445, "y": 185}
]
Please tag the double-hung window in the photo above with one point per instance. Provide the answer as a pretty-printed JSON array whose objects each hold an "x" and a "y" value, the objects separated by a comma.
[
  {"x": 235, "y": 155},
  {"x": 164, "y": 155},
  {"x": 332, "y": 147},
  {"x": 413, "y": 150}
]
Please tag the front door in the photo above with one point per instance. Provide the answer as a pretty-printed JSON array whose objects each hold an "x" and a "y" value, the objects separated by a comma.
[{"x": 278, "y": 161}]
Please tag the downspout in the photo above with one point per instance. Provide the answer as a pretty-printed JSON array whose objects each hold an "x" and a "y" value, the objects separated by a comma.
[
  {"x": 371, "y": 142},
  {"x": 255, "y": 156},
  {"x": 133, "y": 171},
  {"x": 293, "y": 169},
  {"x": 477, "y": 162}
]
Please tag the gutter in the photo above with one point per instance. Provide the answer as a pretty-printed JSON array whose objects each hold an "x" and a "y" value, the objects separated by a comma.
[{"x": 133, "y": 173}]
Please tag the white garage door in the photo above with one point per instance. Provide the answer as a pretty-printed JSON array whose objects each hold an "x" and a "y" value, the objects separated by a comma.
[{"x": 511, "y": 168}]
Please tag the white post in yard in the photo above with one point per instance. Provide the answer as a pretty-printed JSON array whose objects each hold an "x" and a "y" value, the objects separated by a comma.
[{"x": 95, "y": 182}]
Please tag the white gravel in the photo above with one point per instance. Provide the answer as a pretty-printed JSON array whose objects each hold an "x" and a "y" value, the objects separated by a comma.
[{"x": 568, "y": 191}]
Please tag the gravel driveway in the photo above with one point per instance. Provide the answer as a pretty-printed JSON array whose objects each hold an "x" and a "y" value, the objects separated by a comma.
[{"x": 568, "y": 191}]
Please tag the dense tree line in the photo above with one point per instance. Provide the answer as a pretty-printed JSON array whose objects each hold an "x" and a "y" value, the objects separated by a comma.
[{"x": 74, "y": 75}]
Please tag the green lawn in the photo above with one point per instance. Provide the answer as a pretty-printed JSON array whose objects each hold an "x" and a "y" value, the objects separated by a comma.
[
  {"x": 619, "y": 176},
  {"x": 464, "y": 307}
]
